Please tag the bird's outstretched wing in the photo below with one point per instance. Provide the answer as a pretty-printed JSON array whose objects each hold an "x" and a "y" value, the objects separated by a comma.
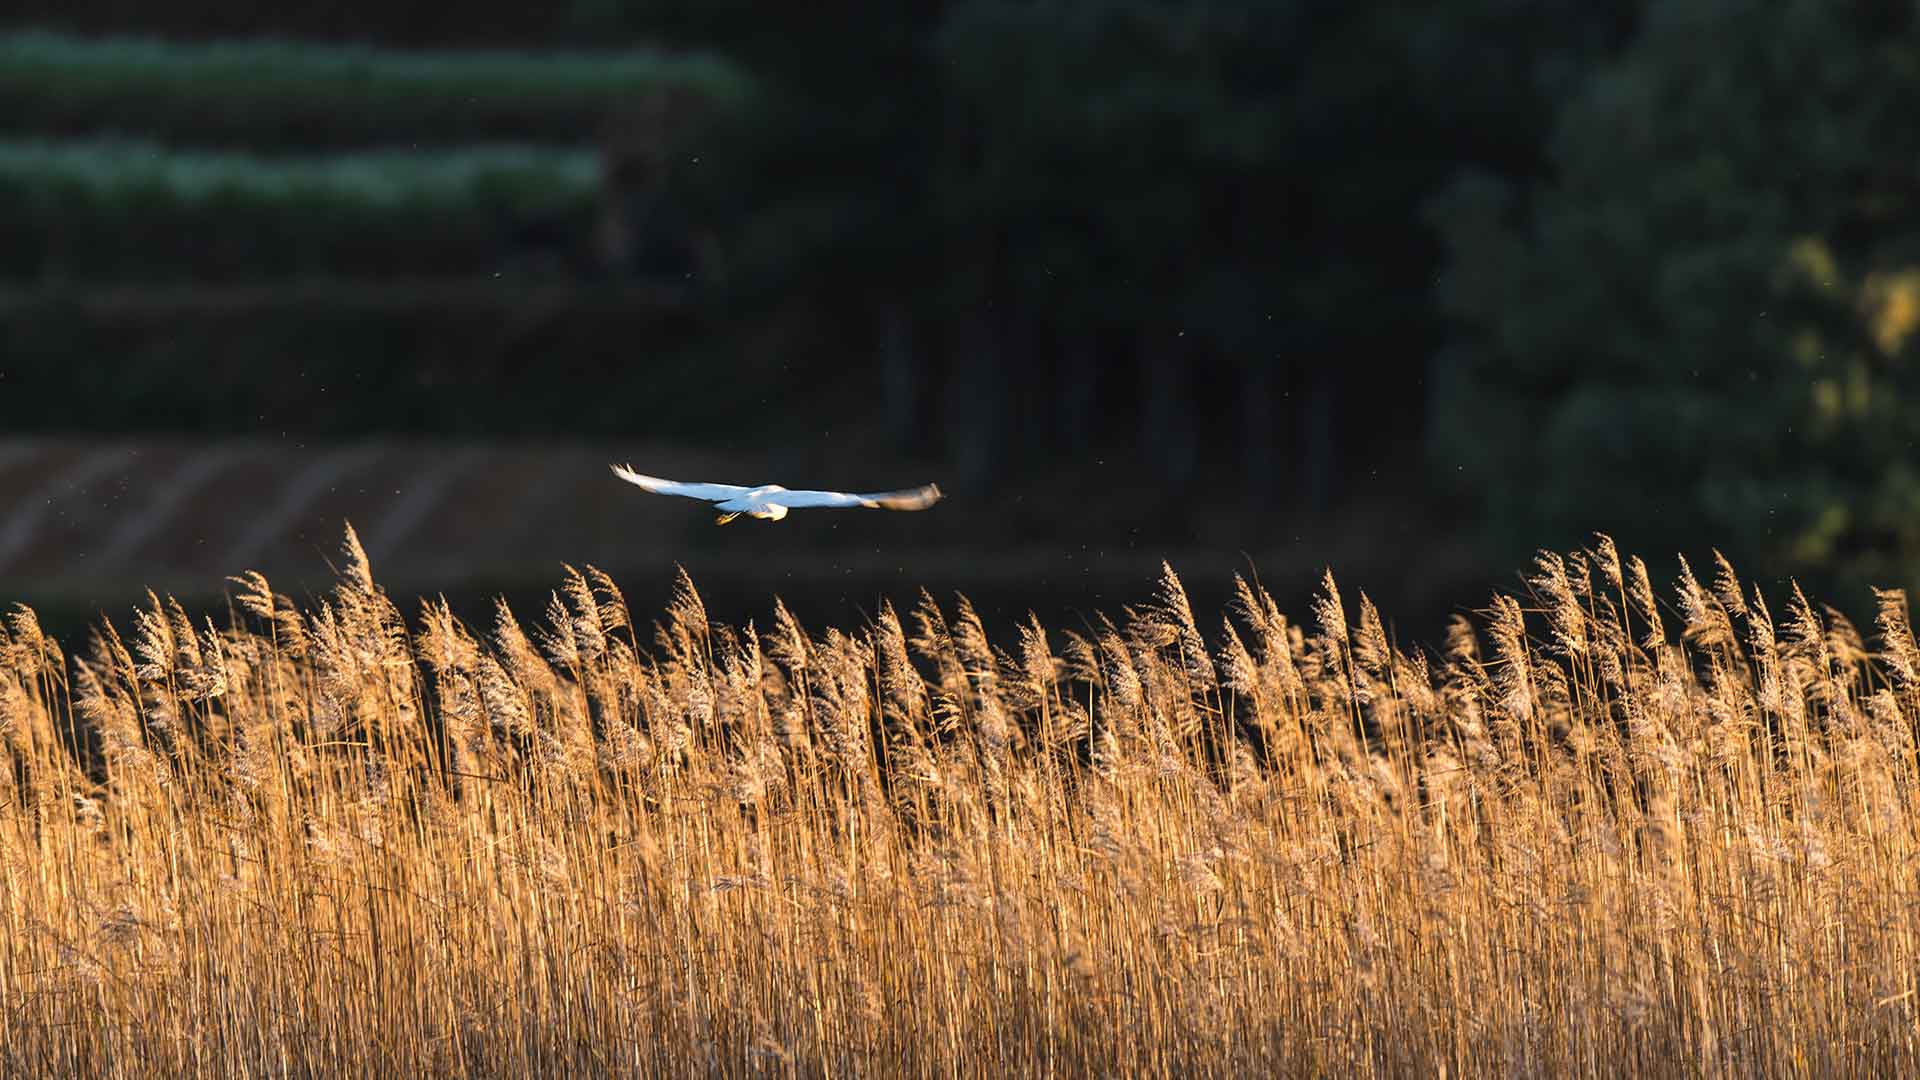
[
  {"x": 911, "y": 499},
  {"x": 709, "y": 492}
]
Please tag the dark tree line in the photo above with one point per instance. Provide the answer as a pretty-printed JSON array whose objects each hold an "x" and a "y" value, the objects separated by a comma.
[
  {"x": 1193, "y": 229},
  {"x": 1040, "y": 229},
  {"x": 1643, "y": 268}
]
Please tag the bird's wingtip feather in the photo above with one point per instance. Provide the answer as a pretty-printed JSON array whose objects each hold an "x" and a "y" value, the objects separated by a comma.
[
  {"x": 625, "y": 472},
  {"x": 910, "y": 499}
]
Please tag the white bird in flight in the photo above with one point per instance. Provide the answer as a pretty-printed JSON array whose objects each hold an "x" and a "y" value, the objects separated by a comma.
[{"x": 771, "y": 502}]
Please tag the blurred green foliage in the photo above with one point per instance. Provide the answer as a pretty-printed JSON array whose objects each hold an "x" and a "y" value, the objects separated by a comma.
[
  {"x": 1227, "y": 190},
  {"x": 1702, "y": 326}
]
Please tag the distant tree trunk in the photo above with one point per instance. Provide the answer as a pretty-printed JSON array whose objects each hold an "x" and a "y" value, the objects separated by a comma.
[
  {"x": 1078, "y": 387},
  {"x": 977, "y": 402},
  {"x": 1259, "y": 459},
  {"x": 1168, "y": 438},
  {"x": 1318, "y": 450},
  {"x": 900, "y": 376},
  {"x": 1014, "y": 333},
  {"x": 1443, "y": 374}
]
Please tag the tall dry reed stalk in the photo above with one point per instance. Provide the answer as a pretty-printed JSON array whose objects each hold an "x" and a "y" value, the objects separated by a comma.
[{"x": 336, "y": 841}]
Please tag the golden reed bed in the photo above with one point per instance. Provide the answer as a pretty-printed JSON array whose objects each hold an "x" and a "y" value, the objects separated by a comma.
[{"x": 1595, "y": 836}]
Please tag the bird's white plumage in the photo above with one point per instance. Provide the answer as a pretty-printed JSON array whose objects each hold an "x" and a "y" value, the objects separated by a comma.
[
  {"x": 771, "y": 501},
  {"x": 795, "y": 500},
  {"x": 709, "y": 492}
]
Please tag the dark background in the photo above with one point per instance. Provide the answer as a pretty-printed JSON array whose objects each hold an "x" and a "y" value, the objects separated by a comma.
[{"x": 1410, "y": 290}]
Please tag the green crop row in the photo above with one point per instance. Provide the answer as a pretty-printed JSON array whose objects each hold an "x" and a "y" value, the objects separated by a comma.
[
  {"x": 276, "y": 93},
  {"x": 137, "y": 211}
]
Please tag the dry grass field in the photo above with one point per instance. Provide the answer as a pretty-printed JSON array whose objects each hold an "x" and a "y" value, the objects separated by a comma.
[{"x": 1598, "y": 834}]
